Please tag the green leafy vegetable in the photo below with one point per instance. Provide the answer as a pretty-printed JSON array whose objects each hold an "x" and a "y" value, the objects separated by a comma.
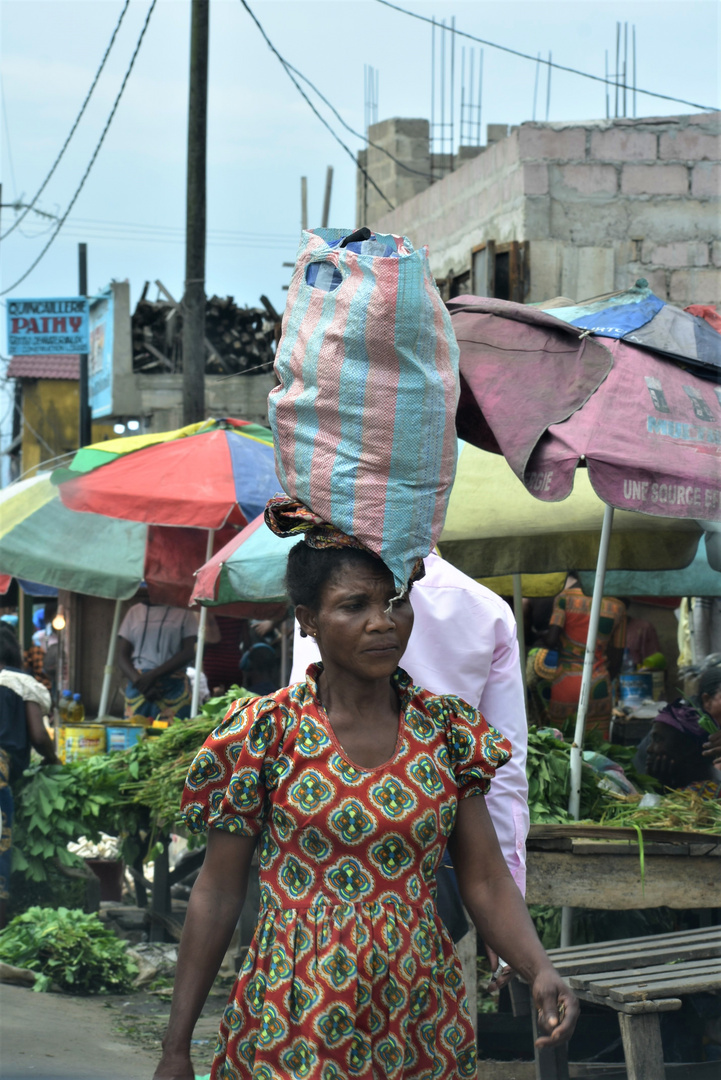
[{"x": 69, "y": 949}]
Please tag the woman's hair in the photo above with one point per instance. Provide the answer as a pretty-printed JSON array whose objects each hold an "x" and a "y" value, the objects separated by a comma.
[
  {"x": 310, "y": 569},
  {"x": 709, "y": 680},
  {"x": 10, "y": 654}
]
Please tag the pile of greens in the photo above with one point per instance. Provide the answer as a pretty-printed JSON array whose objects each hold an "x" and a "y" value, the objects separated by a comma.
[
  {"x": 68, "y": 949},
  {"x": 134, "y": 794}
]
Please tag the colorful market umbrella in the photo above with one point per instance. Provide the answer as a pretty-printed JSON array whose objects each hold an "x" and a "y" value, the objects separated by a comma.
[
  {"x": 41, "y": 540},
  {"x": 207, "y": 475},
  {"x": 494, "y": 526},
  {"x": 699, "y": 578}
]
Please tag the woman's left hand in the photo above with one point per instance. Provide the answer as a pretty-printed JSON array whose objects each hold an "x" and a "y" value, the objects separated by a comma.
[{"x": 557, "y": 1007}]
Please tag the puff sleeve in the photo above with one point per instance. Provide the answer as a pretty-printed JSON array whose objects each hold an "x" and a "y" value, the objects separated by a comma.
[
  {"x": 230, "y": 778},
  {"x": 475, "y": 749}
]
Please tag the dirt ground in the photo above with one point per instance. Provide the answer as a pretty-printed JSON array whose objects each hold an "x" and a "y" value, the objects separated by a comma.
[{"x": 103, "y": 1037}]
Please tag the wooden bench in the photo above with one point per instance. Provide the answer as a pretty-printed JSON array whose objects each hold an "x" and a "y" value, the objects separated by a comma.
[{"x": 639, "y": 978}]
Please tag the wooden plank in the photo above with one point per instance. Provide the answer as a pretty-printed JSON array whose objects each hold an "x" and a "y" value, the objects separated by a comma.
[
  {"x": 616, "y": 832},
  {"x": 620, "y": 977},
  {"x": 631, "y": 1008},
  {"x": 682, "y": 938},
  {"x": 640, "y": 959},
  {"x": 661, "y": 988},
  {"x": 642, "y": 1046},
  {"x": 613, "y": 882},
  {"x": 628, "y": 847}
]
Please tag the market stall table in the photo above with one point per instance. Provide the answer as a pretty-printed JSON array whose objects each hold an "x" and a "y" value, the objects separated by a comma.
[
  {"x": 639, "y": 978},
  {"x": 596, "y": 866}
]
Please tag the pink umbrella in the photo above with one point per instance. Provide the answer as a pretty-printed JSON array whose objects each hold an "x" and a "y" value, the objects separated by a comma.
[{"x": 646, "y": 427}]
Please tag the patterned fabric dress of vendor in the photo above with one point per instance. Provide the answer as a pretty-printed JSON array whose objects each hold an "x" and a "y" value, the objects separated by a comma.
[
  {"x": 350, "y": 973},
  {"x": 572, "y": 611}
]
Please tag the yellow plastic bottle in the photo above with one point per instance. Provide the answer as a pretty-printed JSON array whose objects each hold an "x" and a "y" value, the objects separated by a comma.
[
  {"x": 76, "y": 713},
  {"x": 64, "y": 706}
]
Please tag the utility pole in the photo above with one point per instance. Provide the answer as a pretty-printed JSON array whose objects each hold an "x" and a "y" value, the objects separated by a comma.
[
  {"x": 304, "y": 203},
  {"x": 194, "y": 295},
  {"x": 84, "y": 420}
]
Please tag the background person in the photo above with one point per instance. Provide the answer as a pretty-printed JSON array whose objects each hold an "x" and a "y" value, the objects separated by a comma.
[
  {"x": 568, "y": 633},
  {"x": 354, "y": 780},
  {"x": 156, "y": 643},
  {"x": 23, "y": 702}
]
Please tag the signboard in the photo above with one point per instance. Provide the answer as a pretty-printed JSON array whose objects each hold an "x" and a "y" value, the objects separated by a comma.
[
  {"x": 40, "y": 327},
  {"x": 112, "y": 389},
  {"x": 100, "y": 354}
]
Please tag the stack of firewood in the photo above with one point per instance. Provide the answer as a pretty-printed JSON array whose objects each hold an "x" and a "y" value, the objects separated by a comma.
[{"x": 237, "y": 339}]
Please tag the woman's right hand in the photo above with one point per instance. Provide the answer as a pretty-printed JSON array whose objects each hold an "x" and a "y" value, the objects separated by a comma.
[{"x": 174, "y": 1065}]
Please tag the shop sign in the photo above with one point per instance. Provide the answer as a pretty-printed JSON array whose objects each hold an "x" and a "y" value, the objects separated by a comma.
[
  {"x": 47, "y": 326},
  {"x": 109, "y": 357}
]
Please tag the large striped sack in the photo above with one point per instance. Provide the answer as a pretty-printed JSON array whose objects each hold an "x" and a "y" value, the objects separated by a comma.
[{"x": 364, "y": 417}]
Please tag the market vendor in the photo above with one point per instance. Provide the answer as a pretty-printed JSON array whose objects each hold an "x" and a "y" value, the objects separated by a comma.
[
  {"x": 23, "y": 701},
  {"x": 678, "y": 750},
  {"x": 156, "y": 643}
]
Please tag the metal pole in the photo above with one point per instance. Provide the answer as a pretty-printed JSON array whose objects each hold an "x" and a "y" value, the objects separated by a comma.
[
  {"x": 195, "y": 225},
  {"x": 326, "y": 198},
  {"x": 607, "y": 100},
  {"x": 618, "y": 63},
  {"x": 535, "y": 85},
  {"x": 201, "y": 636},
  {"x": 453, "y": 80},
  {"x": 633, "y": 52},
  {"x": 304, "y": 203},
  {"x": 574, "y": 802},
  {"x": 480, "y": 95},
  {"x": 110, "y": 663},
  {"x": 84, "y": 424},
  {"x": 548, "y": 87},
  {"x": 520, "y": 630},
  {"x": 625, "y": 65}
]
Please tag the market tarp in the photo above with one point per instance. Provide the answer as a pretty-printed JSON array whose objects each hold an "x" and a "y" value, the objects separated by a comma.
[
  {"x": 649, "y": 431},
  {"x": 639, "y": 317},
  {"x": 493, "y": 527},
  {"x": 205, "y": 475}
]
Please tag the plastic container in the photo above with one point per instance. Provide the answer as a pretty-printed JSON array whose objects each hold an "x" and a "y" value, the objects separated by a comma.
[
  {"x": 77, "y": 741},
  {"x": 76, "y": 712},
  {"x": 123, "y": 736},
  {"x": 64, "y": 704},
  {"x": 634, "y": 689}
]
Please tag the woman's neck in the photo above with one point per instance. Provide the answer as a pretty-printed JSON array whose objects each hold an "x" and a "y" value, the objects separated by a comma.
[{"x": 343, "y": 693}]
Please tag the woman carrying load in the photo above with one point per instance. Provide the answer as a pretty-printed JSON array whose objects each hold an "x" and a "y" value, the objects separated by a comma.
[{"x": 352, "y": 783}]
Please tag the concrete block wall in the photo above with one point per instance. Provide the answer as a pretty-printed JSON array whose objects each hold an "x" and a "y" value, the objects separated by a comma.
[
  {"x": 408, "y": 142},
  {"x": 244, "y": 397},
  {"x": 602, "y": 204}
]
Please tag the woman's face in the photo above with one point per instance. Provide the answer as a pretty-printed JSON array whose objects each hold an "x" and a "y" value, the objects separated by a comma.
[
  {"x": 711, "y": 704},
  {"x": 355, "y": 629}
]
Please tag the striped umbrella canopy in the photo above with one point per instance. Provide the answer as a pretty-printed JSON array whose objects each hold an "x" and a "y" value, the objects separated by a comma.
[{"x": 206, "y": 475}]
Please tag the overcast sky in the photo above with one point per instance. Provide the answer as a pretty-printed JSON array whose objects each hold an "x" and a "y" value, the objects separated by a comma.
[{"x": 262, "y": 136}]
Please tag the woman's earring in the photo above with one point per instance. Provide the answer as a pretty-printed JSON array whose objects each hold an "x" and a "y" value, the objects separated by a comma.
[{"x": 303, "y": 633}]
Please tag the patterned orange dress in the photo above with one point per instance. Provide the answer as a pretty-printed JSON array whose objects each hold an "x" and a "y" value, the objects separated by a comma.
[{"x": 351, "y": 972}]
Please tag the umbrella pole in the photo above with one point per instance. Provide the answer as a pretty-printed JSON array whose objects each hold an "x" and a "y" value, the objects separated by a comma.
[
  {"x": 201, "y": 636},
  {"x": 110, "y": 664},
  {"x": 574, "y": 801},
  {"x": 520, "y": 632}
]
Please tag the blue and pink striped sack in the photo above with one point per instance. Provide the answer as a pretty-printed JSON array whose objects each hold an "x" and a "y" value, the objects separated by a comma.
[{"x": 364, "y": 418}]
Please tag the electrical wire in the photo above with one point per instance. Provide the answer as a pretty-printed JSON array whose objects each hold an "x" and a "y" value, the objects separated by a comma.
[
  {"x": 549, "y": 63},
  {"x": 96, "y": 151},
  {"x": 358, "y": 135},
  {"x": 301, "y": 91},
  {"x": 38, "y": 193}
]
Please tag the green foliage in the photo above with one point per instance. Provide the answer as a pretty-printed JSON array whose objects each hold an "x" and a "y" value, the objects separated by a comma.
[
  {"x": 66, "y": 947},
  {"x": 592, "y": 926}
]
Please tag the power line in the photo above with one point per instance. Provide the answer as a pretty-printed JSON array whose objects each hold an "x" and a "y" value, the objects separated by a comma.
[
  {"x": 550, "y": 64},
  {"x": 358, "y": 134},
  {"x": 94, "y": 83},
  {"x": 95, "y": 153},
  {"x": 301, "y": 91}
]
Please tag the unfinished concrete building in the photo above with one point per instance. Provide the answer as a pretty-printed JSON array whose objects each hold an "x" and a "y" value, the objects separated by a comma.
[{"x": 572, "y": 209}]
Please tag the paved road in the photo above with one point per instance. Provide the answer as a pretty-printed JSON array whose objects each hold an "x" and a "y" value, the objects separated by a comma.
[{"x": 53, "y": 1037}]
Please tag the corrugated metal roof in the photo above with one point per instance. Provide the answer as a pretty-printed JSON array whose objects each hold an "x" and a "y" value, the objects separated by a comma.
[{"x": 44, "y": 367}]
